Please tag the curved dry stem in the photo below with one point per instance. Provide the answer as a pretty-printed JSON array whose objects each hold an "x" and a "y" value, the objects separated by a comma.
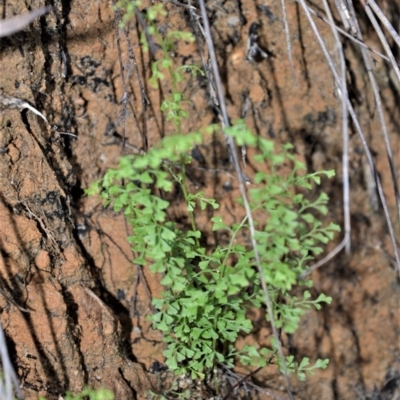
[
  {"x": 235, "y": 161},
  {"x": 326, "y": 259}
]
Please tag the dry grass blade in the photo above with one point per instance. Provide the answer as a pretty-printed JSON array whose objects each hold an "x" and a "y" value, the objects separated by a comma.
[
  {"x": 345, "y": 131},
  {"x": 125, "y": 96},
  {"x": 288, "y": 43},
  {"x": 15, "y": 24},
  {"x": 383, "y": 40},
  {"x": 384, "y": 20},
  {"x": 344, "y": 33},
  {"x": 235, "y": 161}
]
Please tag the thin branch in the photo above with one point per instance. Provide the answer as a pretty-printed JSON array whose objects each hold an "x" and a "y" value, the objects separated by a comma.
[
  {"x": 194, "y": 20},
  {"x": 238, "y": 377},
  {"x": 124, "y": 100},
  {"x": 152, "y": 46},
  {"x": 144, "y": 98},
  {"x": 235, "y": 161},
  {"x": 241, "y": 382}
]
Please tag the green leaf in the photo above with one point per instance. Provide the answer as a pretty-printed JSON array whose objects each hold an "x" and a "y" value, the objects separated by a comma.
[
  {"x": 309, "y": 218},
  {"x": 218, "y": 224},
  {"x": 323, "y": 364},
  {"x": 304, "y": 363},
  {"x": 306, "y": 295},
  {"x": 324, "y": 299}
]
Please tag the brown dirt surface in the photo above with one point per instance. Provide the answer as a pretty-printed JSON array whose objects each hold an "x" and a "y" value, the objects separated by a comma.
[{"x": 66, "y": 260}]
